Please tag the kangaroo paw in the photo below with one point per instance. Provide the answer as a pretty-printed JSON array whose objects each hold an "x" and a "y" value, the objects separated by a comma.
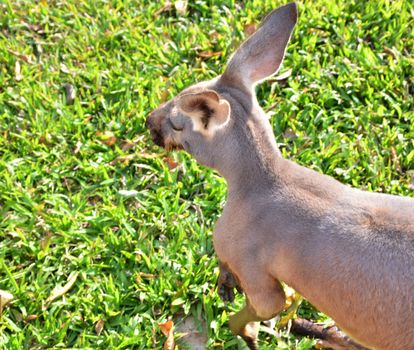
[
  {"x": 225, "y": 293},
  {"x": 226, "y": 285},
  {"x": 251, "y": 343}
]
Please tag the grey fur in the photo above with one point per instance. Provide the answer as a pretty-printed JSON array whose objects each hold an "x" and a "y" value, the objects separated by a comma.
[{"x": 349, "y": 252}]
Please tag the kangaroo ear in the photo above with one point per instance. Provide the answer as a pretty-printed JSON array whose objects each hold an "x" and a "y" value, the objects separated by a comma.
[
  {"x": 207, "y": 109},
  {"x": 261, "y": 54}
]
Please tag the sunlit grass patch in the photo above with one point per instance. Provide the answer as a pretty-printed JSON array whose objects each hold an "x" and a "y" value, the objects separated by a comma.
[{"x": 83, "y": 191}]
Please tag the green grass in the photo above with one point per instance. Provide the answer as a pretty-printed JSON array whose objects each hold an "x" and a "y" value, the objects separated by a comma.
[{"x": 83, "y": 189}]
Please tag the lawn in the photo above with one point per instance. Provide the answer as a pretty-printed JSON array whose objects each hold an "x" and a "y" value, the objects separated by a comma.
[{"x": 87, "y": 199}]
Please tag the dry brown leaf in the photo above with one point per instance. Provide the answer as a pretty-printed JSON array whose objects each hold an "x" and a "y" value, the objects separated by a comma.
[
  {"x": 39, "y": 207},
  {"x": 390, "y": 52},
  {"x": 284, "y": 75},
  {"x": 292, "y": 303},
  {"x": 289, "y": 134},
  {"x": 107, "y": 137},
  {"x": 59, "y": 291},
  {"x": 126, "y": 145},
  {"x": 64, "y": 68},
  {"x": 99, "y": 326},
  {"x": 141, "y": 275},
  {"x": 249, "y": 28},
  {"x": 25, "y": 58},
  {"x": 167, "y": 7},
  {"x": 166, "y": 35},
  {"x": 411, "y": 183},
  {"x": 318, "y": 32},
  {"x": 181, "y": 7},
  {"x": 31, "y": 318},
  {"x": 70, "y": 94},
  {"x": 36, "y": 28},
  {"x": 147, "y": 275},
  {"x": 139, "y": 139},
  {"x": 170, "y": 163},
  {"x": 290, "y": 295},
  {"x": 45, "y": 139},
  {"x": 208, "y": 54},
  {"x": 123, "y": 159},
  {"x": 395, "y": 160},
  {"x": 45, "y": 241},
  {"x": 214, "y": 35},
  {"x": 17, "y": 72},
  {"x": 167, "y": 329},
  {"x": 5, "y": 298},
  {"x": 148, "y": 155},
  {"x": 78, "y": 147},
  {"x": 164, "y": 95}
]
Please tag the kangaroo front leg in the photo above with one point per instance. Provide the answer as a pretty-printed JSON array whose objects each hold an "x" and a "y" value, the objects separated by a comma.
[
  {"x": 226, "y": 284},
  {"x": 264, "y": 301}
]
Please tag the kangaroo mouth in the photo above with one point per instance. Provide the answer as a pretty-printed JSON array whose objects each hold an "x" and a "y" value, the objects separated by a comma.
[
  {"x": 161, "y": 141},
  {"x": 157, "y": 138}
]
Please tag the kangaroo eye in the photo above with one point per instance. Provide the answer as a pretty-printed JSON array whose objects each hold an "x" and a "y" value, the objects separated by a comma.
[{"x": 175, "y": 126}]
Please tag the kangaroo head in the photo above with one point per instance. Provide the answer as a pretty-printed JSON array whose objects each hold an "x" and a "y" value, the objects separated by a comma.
[{"x": 219, "y": 121}]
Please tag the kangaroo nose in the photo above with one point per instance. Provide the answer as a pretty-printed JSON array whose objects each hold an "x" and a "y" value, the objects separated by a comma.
[
  {"x": 149, "y": 123},
  {"x": 155, "y": 118}
]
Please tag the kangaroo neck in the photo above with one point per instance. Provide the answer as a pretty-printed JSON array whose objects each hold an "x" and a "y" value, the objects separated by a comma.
[{"x": 256, "y": 167}]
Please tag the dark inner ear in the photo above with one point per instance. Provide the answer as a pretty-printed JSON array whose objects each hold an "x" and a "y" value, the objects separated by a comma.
[{"x": 206, "y": 111}]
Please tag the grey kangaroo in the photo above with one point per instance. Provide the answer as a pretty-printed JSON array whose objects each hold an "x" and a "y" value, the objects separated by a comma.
[{"x": 348, "y": 252}]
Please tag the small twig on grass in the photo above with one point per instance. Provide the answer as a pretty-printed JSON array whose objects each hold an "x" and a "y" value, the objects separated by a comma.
[{"x": 5, "y": 298}]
